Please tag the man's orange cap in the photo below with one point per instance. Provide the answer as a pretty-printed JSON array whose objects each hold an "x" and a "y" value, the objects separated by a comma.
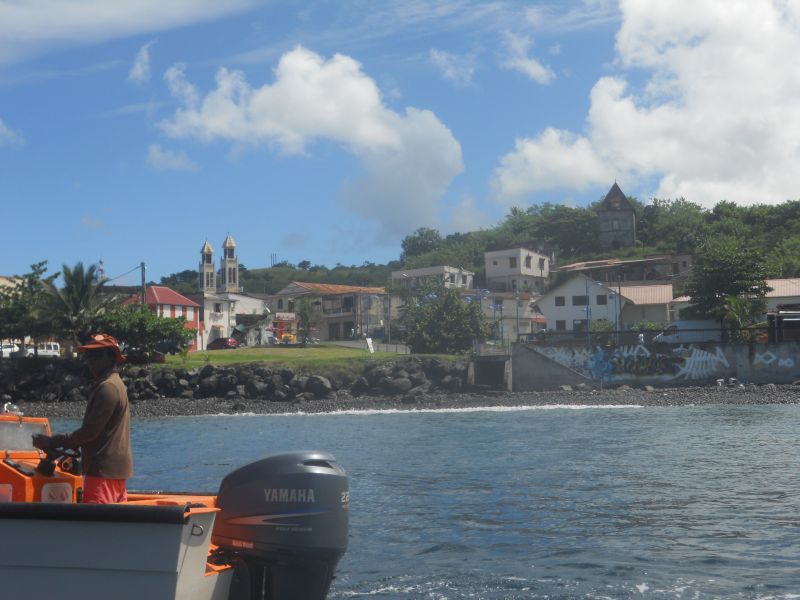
[{"x": 98, "y": 341}]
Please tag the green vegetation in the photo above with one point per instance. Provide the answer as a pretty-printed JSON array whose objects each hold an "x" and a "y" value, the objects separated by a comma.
[
  {"x": 728, "y": 266},
  {"x": 311, "y": 357},
  {"x": 438, "y": 320}
]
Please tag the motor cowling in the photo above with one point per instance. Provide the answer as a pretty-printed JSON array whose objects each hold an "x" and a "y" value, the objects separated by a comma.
[{"x": 286, "y": 516}]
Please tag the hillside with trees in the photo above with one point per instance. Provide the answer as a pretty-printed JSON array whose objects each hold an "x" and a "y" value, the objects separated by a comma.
[{"x": 566, "y": 233}]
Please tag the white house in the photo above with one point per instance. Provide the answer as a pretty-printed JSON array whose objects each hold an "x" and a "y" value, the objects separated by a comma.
[
  {"x": 575, "y": 303},
  {"x": 516, "y": 269},
  {"x": 450, "y": 276}
]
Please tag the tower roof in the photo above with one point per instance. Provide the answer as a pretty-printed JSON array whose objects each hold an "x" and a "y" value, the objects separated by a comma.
[
  {"x": 206, "y": 249},
  {"x": 229, "y": 243},
  {"x": 615, "y": 200}
]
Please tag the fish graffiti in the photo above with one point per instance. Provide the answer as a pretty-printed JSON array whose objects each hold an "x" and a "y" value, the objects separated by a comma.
[{"x": 604, "y": 364}]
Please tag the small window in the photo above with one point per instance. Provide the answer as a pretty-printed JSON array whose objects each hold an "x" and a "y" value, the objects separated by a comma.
[
  {"x": 513, "y": 284},
  {"x": 580, "y": 300},
  {"x": 464, "y": 280},
  {"x": 580, "y": 325},
  {"x": 528, "y": 261},
  {"x": 494, "y": 263},
  {"x": 615, "y": 225},
  {"x": 559, "y": 300},
  {"x": 218, "y": 307},
  {"x": 561, "y": 325},
  {"x": 602, "y": 300},
  {"x": 280, "y": 303},
  {"x": 512, "y": 262}
]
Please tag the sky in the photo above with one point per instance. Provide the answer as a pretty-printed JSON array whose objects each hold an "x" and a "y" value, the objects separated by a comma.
[{"x": 132, "y": 131}]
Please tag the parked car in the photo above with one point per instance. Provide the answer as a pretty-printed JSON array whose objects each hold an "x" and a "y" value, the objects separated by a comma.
[
  {"x": 222, "y": 343},
  {"x": 8, "y": 349},
  {"x": 43, "y": 349}
]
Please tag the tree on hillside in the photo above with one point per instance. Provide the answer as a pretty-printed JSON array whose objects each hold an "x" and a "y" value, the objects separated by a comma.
[
  {"x": 673, "y": 225},
  {"x": 438, "y": 320},
  {"x": 78, "y": 304},
  {"x": 185, "y": 282},
  {"x": 421, "y": 241},
  {"x": 727, "y": 267}
]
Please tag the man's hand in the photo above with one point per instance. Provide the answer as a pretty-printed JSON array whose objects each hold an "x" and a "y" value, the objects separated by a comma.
[{"x": 41, "y": 441}]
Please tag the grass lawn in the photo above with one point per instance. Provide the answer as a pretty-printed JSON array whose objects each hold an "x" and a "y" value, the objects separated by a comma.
[{"x": 310, "y": 357}]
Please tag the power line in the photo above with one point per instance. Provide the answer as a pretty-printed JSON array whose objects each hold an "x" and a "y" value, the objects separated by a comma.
[{"x": 137, "y": 267}]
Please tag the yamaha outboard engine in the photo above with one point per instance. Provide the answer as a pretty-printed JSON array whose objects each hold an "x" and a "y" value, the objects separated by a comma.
[{"x": 286, "y": 518}]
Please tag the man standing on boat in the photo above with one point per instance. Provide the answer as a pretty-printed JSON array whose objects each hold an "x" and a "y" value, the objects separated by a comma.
[{"x": 105, "y": 434}]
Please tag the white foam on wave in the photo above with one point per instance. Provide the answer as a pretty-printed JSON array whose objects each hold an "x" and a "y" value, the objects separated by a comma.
[{"x": 401, "y": 411}]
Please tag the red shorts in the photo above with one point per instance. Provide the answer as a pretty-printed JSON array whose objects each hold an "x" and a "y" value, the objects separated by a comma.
[{"x": 99, "y": 490}]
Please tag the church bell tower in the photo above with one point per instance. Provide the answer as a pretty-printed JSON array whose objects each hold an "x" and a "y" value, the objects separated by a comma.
[
  {"x": 229, "y": 266},
  {"x": 208, "y": 278}
]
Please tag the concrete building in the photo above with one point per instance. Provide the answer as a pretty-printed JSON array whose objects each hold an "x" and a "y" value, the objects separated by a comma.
[
  {"x": 655, "y": 268},
  {"x": 454, "y": 277},
  {"x": 509, "y": 314},
  {"x": 616, "y": 221},
  {"x": 343, "y": 311},
  {"x": 784, "y": 291},
  {"x": 516, "y": 269},
  {"x": 575, "y": 303}
]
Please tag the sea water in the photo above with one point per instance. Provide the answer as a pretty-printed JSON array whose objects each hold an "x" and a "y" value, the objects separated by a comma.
[{"x": 558, "y": 502}]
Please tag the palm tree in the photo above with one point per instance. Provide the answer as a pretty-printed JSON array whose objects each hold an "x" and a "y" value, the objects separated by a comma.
[
  {"x": 738, "y": 314},
  {"x": 79, "y": 302}
]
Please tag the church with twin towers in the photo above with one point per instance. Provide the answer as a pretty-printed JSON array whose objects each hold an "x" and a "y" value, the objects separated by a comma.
[{"x": 228, "y": 269}]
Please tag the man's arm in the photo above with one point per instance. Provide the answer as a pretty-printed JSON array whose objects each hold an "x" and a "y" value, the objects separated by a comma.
[{"x": 97, "y": 415}]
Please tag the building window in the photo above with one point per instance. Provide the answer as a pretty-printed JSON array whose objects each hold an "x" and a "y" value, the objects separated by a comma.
[
  {"x": 347, "y": 304},
  {"x": 290, "y": 306},
  {"x": 559, "y": 300},
  {"x": 615, "y": 225},
  {"x": 280, "y": 303},
  {"x": 601, "y": 300},
  {"x": 494, "y": 262},
  {"x": 580, "y": 300},
  {"x": 580, "y": 325},
  {"x": 217, "y": 307},
  {"x": 228, "y": 252},
  {"x": 190, "y": 313},
  {"x": 512, "y": 262},
  {"x": 528, "y": 261},
  {"x": 463, "y": 280},
  {"x": 513, "y": 284},
  {"x": 561, "y": 325}
]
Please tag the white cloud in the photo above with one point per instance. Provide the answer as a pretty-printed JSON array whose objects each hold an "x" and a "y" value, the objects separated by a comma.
[
  {"x": 8, "y": 136},
  {"x": 716, "y": 118},
  {"x": 556, "y": 159},
  {"x": 140, "y": 70},
  {"x": 31, "y": 27},
  {"x": 467, "y": 216},
  {"x": 169, "y": 160},
  {"x": 517, "y": 59},
  {"x": 455, "y": 68},
  {"x": 409, "y": 158}
]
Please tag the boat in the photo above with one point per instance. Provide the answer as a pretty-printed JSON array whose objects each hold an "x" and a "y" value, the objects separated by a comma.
[{"x": 275, "y": 529}]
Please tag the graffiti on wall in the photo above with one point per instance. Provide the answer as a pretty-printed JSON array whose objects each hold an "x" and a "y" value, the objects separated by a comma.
[
  {"x": 690, "y": 363},
  {"x": 771, "y": 360}
]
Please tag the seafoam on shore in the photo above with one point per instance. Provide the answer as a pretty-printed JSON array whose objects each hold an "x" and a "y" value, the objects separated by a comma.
[{"x": 685, "y": 396}]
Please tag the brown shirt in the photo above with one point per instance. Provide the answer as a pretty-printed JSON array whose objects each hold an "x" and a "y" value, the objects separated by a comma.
[{"x": 105, "y": 435}]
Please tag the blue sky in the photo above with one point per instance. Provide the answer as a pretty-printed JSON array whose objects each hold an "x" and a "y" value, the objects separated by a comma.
[{"x": 134, "y": 130}]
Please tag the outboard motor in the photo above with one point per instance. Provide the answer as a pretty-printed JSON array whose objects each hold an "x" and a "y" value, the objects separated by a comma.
[{"x": 286, "y": 518}]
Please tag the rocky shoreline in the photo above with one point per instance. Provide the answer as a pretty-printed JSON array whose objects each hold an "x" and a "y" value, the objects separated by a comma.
[
  {"x": 344, "y": 401},
  {"x": 56, "y": 389}
]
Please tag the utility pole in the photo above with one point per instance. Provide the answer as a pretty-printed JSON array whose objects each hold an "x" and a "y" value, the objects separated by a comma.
[{"x": 144, "y": 294}]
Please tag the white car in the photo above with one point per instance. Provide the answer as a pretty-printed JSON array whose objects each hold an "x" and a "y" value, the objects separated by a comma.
[
  {"x": 48, "y": 349},
  {"x": 8, "y": 349}
]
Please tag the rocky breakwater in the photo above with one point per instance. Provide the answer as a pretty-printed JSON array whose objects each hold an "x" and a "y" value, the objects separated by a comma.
[{"x": 234, "y": 388}]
